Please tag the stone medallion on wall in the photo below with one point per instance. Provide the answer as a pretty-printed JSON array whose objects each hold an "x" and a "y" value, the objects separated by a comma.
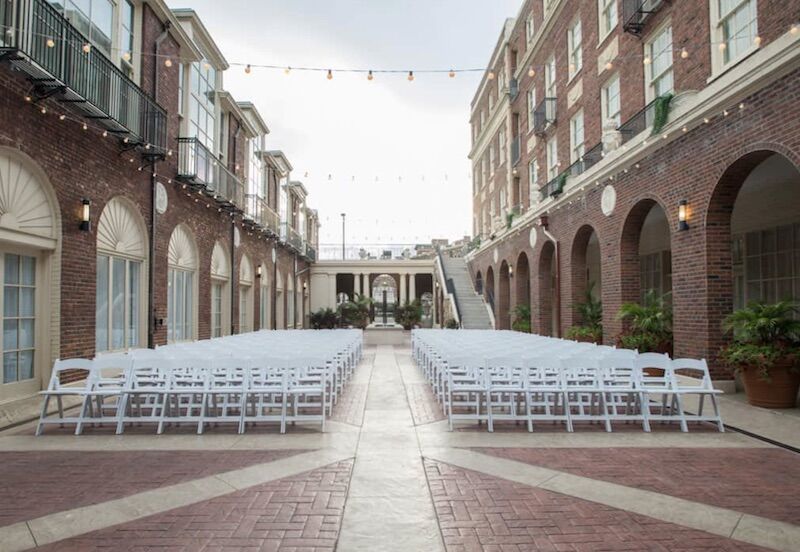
[
  {"x": 608, "y": 201},
  {"x": 162, "y": 201},
  {"x": 495, "y": 255},
  {"x": 533, "y": 238}
]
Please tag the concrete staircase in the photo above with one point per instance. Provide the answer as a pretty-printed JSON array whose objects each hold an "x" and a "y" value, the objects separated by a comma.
[{"x": 471, "y": 307}]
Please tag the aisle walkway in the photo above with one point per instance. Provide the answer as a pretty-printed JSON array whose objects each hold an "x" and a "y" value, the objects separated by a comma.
[{"x": 388, "y": 476}]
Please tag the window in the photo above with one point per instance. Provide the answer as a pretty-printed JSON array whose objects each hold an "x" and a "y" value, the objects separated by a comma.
[
  {"x": 181, "y": 88},
  {"x": 575, "y": 45},
  {"x": 492, "y": 158},
  {"x": 531, "y": 107},
  {"x": 126, "y": 30},
  {"x": 533, "y": 182},
  {"x": 576, "y": 141},
  {"x": 552, "y": 158},
  {"x": 244, "y": 309},
  {"x": 608, "y": 17},
  {"x": 530, "y": 29},
  {"x": 501, "y": 138},
  {"x": 265, "y": 314},
  {"x": 611, "y": 101},
  {"x": 216, "y": 308},
  {"x": 93, "y": 18},
  {"x": 118, "y": 304},
  {"x": 290, "y": 314},
  {"x": 255, "y": 170},
  {"x": 771, "y": 263},
  {"x": 180, "y": 292},
  {"x": 550, "y": 78},
  {"x": 656, "y": 273},
  {"x": 659, "y": 71},
  {"x": 736, "y": 27},
  {"x": 202, "y": 85},
  {"x": 19, "y": 317}
]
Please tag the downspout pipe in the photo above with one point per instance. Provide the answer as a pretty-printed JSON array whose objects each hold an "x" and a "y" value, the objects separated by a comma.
[
  {"x": 557, "y": 260},
  {"x": 151, "y": 300}
]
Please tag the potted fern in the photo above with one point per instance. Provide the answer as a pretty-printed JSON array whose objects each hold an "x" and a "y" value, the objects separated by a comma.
[
  {"x": 766, "y": 352},
  {"x": 649, "y": 324},
  {"x": 590, "y": 312},
  {"x": 522, "y": 319}
]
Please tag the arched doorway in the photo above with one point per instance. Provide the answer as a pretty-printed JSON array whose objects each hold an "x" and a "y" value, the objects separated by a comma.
[
  {"x": 522, "y": 287},
  {"x": 384, "y": 297},
  {"x": 504, "y": 297},
  {"x": 479, "y": 283},
  {"x": 220, "y": 291},
  {"x": 30, "y": 244},
  {"x": 646, "y": 253},
  {"x": 182, "y": 286},
  {"x": 548, "y": 302},
  {"x": 753, "y": 237},
  {"x": 585, "y": 272},
  {"x": 488, "y": 291},
  {"x": 245, "y": 295}
]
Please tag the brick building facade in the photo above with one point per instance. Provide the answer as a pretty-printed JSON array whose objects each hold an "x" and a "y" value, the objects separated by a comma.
[
  {"x": 586, "y": 191},
  {"x": 185, "y": 238}
]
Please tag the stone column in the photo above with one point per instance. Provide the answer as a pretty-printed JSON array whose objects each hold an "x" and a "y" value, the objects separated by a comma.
[
  {"x": 367, "y": 290},
  {"x": 412, "y": 287},
  {"x": 403, "y": 298},
  {"x": 332, "y": 293},
  {"x": 357, "y": 284}
]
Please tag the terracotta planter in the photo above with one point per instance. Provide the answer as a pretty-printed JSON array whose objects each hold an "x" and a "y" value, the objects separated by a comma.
[{"x": 780, "y": 391}]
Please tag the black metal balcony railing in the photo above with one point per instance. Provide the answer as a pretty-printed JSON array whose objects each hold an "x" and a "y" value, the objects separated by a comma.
[
  {"x": 544, "y": 115},
  {"x": 311, "y": 254},
  {"x": 198, "y": 165},
  {"x": 641, "y": 121},
  {"x": 258, "y": 211},
  {"x": 555, "y": 187},
  {"x": 291, "y": 236},
  {"x": 515, "y": 151},
  {"x": 636, "y": 12},
  {"x": 37, "y": 39}
]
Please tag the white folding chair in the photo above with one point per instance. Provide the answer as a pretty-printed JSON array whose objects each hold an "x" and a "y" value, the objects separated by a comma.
[
  {"x": 546, "y": 391},
  {"x": 654, "y": 373},
  {"x": 586, "y": 399},
  {"x": 701, "y": 387},
  {"x": 55, "y": 389},
  {"x": 107, "y": 381}
]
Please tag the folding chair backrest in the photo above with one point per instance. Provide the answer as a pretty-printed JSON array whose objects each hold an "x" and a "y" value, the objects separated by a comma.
[
  {"x": 654, "y": 370},
  {"x": 111, "y": 368},
  {"x": 699, "y": 375},
  {"x": 60, "y": 367}
]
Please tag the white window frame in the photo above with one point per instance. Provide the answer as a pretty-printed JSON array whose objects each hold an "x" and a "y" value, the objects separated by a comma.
[
  {"x": 604, "y": 99},
  {"x": 530, "y": 29},
  {"x": 18, "y": 384},
  {"x": 653, "y": 79},
  {"x": 245, "y": 308},
  {"x": 577, "y": 138},
  {"x": 550, "y": 76},
  {"x": 132, "y": 336},
  {"x": 533, "y": 182},
  {"x": 501, "y": 140},
  {"x": 722, "y": 60},
  {"x": 531, "y": 107},
  {"x": 189, "y": 305},
  {"x": 552, "y": 158},
  {"x": 607, "y": 17},
  {"x": 575, "y": 48}
]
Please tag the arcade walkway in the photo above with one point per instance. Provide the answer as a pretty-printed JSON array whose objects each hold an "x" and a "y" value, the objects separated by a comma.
[{"x": 389, "y": 476}]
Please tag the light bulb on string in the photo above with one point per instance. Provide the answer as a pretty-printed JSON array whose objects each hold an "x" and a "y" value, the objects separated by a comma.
[
  {"x": 248, "y": 69},
  {"x": 287, "y": 71},
  {"x": 168, "y": 62},
  {"x": 647, "y": 60},
  {"x": 795, "y": 28},
  {"x": 609, "y": 66},
  {"x": 684, "y": 53},
  {"x": 62, "y": 117},
  {"x": 105, "y": 134},
  {"x": 44, "y": 111},
  {"x": 531, "y": 72},
  {"x": 491, "y": 75},
  {"x": 722, "y": 46},
  {"x": 757, "y": 41},
  {"x": 87, "y": 48},
  {"x": 410, "y": 76},
  {"x": 370, "y": 75},
  {"x": 51, "y": 43},
  {"x": 452, "y": 74},
  {"x": 126, "y": 56},
  {"x": 330, "y": 74},
  {"x": 85, "y": 126}
]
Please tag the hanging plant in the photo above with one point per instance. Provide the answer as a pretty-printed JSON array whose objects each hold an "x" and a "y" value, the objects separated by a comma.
[
  {"x": 661, "y": 109},
  {"x": 510, "y": 219},
  {"x": 560, "y": 185}
]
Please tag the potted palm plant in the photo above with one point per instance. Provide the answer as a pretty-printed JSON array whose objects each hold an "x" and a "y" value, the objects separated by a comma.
[
  {"x": 409, "y": 315},
  {"x": 649, "y": 324},
  {"x": 590, "y": 312},
  {"x": 766, "y": 352},
  {"x": 522, "y": 319}
]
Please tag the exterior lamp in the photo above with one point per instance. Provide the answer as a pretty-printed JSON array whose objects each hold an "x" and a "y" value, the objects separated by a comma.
[
  {"x": 259, "y": 268},
  {"x": 86, "y": 220},
  {"x": 683, "y": 215},
  {"x": 510, "y": 271}
]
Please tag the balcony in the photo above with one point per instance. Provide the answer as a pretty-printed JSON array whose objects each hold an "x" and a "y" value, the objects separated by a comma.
[
  {"x": 258, "y": 211},
  {"x": 36, "y": 39},
  {"x": 197, "y": 165},
  {"x": 515, "y": 151},
  {"x": 310, "y": 254},
  {"x": 640, "y": 122},
  {"x": 555, "y": 187},
  {"x": 291, "y": 237},
  {"x": 544, "y": 115},
  {"x": 636, "y": 12}
]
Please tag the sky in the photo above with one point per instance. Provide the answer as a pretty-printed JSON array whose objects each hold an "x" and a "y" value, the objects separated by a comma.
[{"x": 390, "y": 153}]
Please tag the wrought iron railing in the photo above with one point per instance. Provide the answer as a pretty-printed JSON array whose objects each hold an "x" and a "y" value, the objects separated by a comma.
[
  {"x": 310, "y": 253},
  {"x": 291, "y": 236},
  {"x": 636, "y": 12},
  {"x": 544, "y": 115},
  {"x": 640, "y": 122},
  {"x": 258, "y": 211},
  {"x": 555, "y": 187},
  {"x": 200, "y": 166},
  {"x": 38, "y": 39}
]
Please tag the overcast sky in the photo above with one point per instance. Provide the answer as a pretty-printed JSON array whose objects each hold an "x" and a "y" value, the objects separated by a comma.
[{"x": 396, "y": 151}]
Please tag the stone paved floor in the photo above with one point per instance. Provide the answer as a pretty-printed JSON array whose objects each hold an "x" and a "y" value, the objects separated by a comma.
[{"x": 388, "y": 476}]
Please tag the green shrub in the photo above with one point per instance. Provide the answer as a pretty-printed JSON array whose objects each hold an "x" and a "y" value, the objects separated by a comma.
[{"x": 522, "y": 319}]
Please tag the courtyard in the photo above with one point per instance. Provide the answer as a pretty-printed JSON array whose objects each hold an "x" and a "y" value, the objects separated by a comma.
[{"x": 388, "y": 475}]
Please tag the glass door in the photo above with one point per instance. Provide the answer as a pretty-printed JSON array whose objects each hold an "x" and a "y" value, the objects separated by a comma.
[{"x": 19, "y": 322}]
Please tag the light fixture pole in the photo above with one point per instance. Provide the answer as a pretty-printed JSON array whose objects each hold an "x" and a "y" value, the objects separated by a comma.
[{"x": 344, "y": 215}]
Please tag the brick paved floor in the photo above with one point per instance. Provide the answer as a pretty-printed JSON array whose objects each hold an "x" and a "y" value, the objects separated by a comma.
[
  {"x": 478, "y": 512},
  {"x": 300, "y": 513},
  {"x": 350, "y": 406},
  {"x": 40, "y": 483},
  {"x": 759, "y": 481},
  {"x": 424, "y": 407}
]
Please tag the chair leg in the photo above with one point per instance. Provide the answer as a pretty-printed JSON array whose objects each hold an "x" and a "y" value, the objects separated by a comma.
[
  {"x": 122, "y": 405},
  {"x": 79, "y": 425},
  {"x": 60, "y": 409},
  {"x": 567, "y": 412},
  {"x": 42, "y": 416},
  {"x": 714, "y": 404},
  {"x": 644, "y": 406},
  {"x": 202, "y": 419}
]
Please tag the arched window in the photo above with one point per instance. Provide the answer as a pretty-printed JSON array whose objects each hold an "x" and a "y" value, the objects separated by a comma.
[
  {"x": 181, "y": 286},
  {"x": 245, "y": 295},
  {"x": 265, "y": 313},
  {"x": 120, "y": 307},
  {"x": 220, "y": 291}
]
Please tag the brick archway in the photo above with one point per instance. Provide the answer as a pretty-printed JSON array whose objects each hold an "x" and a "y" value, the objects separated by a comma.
[
  {"x": 545, "y": 312},
  {"x": 579, "y": 270},
  {"x": 488, "y": 290},
  {"x": 504, "y": 297},
  {"x": 522, "y": 282}
]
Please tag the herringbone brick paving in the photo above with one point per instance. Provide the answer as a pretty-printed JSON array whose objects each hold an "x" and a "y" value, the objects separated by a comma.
[
  {"x": 40, "y": 483},
  {"x": 479, "y": 512},
  {"x": 350, "y": 405},
  {"x": 300, "y": 513},
  {"x": 759, "y": 481},
  {"x": 424, "y": 407}
]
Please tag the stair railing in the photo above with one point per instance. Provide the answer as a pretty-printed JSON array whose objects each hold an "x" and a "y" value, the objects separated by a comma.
[{"x": 447, "y": 287}]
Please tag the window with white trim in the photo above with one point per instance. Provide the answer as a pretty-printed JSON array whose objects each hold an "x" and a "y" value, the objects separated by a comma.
[
  {"x": 575, "y": 48},
  {"x": 118, "y": 303},
  {"x": 180, "y": 305},
  {"x": 576, "y": 139},
  {"x": 531, "y": 107},
  {"x": 492, "y": 158},
  {"x": 610, "y": 98},
  {"x": 552, "y": 158},
  {"x": 550, "y": 78},
  {"x": 533, "y": 182},
  {"x": 19, "y": 317},
  {"x": 126, "y": 39},
  {"x": 216, "y": 308},
  {"x": 659, "y": 70},
  {"x": 530, "y": 28},
  {"x": 735, "y": 25},
  {"x": 607, "y": 10},
  {"x": 93, "y": 18},
  {"x": 501, "y": 138}
]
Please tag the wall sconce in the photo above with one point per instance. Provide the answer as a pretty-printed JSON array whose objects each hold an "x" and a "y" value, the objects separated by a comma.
[
  {"x": 510, "y": 271},
  {"x": 683, "y": 215},
  {"x": 305, "y": 286},
  {"x": 86, "y": 220},
  {"x": 259, "y": 269}
]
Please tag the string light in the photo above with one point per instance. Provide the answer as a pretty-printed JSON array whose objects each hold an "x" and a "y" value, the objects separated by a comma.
[
  {"x": 330, "y": 74},
  {"x": 87, "y": 48},
  {"x": 105, "y": 134},
  {"x": 168, "y": 62},
  {"x": 531, "y": 72},
  {"x": 452, "y": 74},
  {"x": 85, "y": 126},
  {"x": 684, "y": 54},
  {"x": 646, "y": 60},
  {"x": 51, "y": 43},
  {"x": 126, "y": 56},
  {"x": 722, "y": 46},
  {"x": 794, "y": 29},
  {"x": 248, "y": 69},
  {"x": 62, "y": 117},
  {"x": 491, "y": 75},
  {"x": 44, "y": 111},
  {"x": 757, "y": 41},
  {"x": 609, "y": 66},
  {"x": 369, "y": 77},
  {"x": 410, "y": 76},
  {"x": 287, "y": 71}
]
